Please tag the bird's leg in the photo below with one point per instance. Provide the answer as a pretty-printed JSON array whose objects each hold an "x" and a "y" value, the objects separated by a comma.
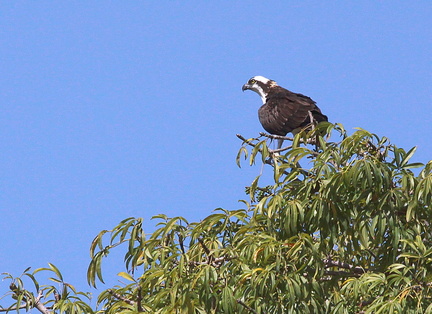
[
  {"x": 313, "y": 124},
  {"x": 280, "y": 142},
  {"x": 312, "y": 120}
]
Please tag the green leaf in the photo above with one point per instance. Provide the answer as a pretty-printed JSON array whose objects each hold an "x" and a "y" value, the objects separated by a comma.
[
  {"x": 56, "y": 271},
  {"x": 126, "y": 276},
  {"x": 242, "y": 151},
  {"x": 408, "y": 156},
  {"x": 253, "y": 188},
  {"x": 413, "y": 165}
]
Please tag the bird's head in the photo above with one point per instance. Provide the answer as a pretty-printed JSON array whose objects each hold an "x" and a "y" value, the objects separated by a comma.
[{"x": 260, "y": 85}]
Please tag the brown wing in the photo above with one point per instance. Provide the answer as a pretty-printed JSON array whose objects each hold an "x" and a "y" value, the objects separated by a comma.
[{"x": 285, "y": 111}]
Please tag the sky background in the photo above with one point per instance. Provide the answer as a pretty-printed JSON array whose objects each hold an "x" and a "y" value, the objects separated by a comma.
[{"x": 116, "y": 109}]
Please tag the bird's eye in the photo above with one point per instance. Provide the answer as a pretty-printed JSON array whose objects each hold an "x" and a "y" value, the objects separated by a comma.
[{"x": 252, "y": 81}]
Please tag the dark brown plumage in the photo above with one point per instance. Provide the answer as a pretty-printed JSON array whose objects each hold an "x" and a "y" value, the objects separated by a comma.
[{"x": 283, "y": 111}]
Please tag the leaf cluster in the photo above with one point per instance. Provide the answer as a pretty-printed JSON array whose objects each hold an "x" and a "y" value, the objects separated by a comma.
[{"x": 60, "y": 296}]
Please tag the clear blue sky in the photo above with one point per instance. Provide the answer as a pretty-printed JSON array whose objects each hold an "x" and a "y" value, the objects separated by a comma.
[{"x": 116, "y": 109}]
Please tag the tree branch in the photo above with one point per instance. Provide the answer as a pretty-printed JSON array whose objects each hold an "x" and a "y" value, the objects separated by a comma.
[
  {"x": 215, "y": 261},
  {"x": 211, "y": 260},
  {"x": 340, "y": 273},
  {"x": 180, "y": 239},
  {"x": 38, "y": 305},
  {"x": 355, "y": 269},
  {"x": 269, "y": 160},
  {"x": 271, "y": 136},
  {"x": 139, "y": 300},
  {"x": 120, "y": 297}
]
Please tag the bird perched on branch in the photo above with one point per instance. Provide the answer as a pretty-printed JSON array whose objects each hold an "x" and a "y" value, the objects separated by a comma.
[{"x": 283, "y": 111}]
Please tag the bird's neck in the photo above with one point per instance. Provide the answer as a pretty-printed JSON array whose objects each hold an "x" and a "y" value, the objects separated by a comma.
[
  {"x": 260, "y": 91},
  {"x": 263, "y": 98}
]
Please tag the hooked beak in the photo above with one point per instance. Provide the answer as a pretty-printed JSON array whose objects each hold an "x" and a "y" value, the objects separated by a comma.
[{"x": 245, "y": 87}]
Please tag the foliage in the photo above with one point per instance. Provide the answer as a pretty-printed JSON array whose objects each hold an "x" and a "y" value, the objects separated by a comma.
[
  {"x": 64, "y": 299},
  {"x": 343, "y": 228}
]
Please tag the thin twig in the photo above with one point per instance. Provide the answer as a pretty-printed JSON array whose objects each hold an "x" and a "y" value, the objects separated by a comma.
[
  {"x": 278, "y": 150},
  {"x": 245, "y": 140},
  {"x": 245, "y": 306},
  {"x": 249, "y": 142},
  {"x": 206, "y": 249},
  {"x": 280, "y": 137},
  {"x": 9, "y": 309},
  {"x": 276, "y": 137}
]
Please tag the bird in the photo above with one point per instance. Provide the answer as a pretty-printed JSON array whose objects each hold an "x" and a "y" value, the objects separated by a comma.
[{"x": 283, "y": 111}]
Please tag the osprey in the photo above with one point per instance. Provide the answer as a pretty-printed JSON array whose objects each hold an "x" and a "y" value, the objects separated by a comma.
[{"x": 283, "y": 111}]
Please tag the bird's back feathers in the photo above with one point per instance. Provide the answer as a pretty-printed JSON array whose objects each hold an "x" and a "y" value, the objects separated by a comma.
[{"x": 285, "y": 111}]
